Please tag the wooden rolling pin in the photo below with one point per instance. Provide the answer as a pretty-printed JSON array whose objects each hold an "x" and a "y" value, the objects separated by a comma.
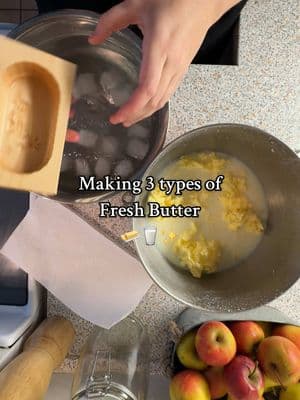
[{"x": 28, "y": 376}]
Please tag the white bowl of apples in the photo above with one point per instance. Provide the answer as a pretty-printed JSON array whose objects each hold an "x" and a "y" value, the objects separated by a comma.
[{"x": 252, "y": 355}]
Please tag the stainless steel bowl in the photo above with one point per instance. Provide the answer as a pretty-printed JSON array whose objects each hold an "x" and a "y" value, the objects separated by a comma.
[
  {"x": 275, "y": 264},
  {"x": 64, "y": 34}
]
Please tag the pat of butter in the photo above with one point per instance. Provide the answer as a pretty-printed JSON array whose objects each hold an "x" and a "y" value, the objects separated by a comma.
[{"x": 128, "y": 236}]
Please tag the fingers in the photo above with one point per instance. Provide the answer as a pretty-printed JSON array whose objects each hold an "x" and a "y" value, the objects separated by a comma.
[
  {"x": 155, "y": 102},
  {"x": 174, "y": 83},
  {"x": 170, "y": 41},
  {"x": 153, "y": 63},
  {"x": 136, "y": 109},
  {"x": 150, "y": 110},
  {"x": 117, "y": 18}
]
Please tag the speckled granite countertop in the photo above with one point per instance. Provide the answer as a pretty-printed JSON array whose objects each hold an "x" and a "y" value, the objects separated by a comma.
[{"x": 261, "y": 92}]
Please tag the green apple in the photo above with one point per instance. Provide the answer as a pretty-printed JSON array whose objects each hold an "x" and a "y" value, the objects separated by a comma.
[
  {"x": 292, "y": 392},
  {"x": 187, "y": 354},
  {"x": 230, "y": 398},
  {"x": 269, "y": 384}
]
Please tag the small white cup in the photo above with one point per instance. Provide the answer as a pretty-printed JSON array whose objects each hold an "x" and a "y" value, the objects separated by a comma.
[{"x": 150, "y": 235}]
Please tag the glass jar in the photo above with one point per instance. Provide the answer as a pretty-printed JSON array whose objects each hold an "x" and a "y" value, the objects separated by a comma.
[{"x": 114, "y": 364}]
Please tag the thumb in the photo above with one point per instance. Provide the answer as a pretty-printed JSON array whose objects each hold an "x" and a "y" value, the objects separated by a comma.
[{"x": 117, "y": 18}]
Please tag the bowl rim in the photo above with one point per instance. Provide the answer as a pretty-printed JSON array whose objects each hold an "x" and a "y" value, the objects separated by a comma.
[{"x": 185, "y": 136}]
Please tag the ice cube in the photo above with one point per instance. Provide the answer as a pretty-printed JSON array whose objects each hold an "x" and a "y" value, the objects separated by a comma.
[
  {"x": 91, "y": 101},
  {"x": 87, "y": 138},
  {"x": 102, "y": 167},
  {"x": 124, "y": 169},
  {"x": 85, "y": 84},
  {"x": 110, "y": 79},
  {"x": 137, "y": 149},
  {"x": 82, "y": 167},
  {"x": 115, "y": 90},
  {"x": 96, "y": 102},
  {"x": 121, "y": 94},
  {"x": 138, "y": 131},
  {"x": 66, "y": 164},
  {"x": 110, "y": 146}
]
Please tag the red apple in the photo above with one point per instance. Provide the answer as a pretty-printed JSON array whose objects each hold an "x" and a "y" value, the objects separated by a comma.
[
  {"x": 248, "y": 335},
  {"x": 215, "y": 344},
  {"x": 189, "y": 385},
  {"x": 244, "y": 379},
  {"x": 279, "y": 358},
  {"x": 216, "y": 382},
  {"x": 291, "y": 332}
]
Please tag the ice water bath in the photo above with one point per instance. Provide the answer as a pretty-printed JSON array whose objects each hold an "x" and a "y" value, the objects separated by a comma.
[{"x": 105, "y": 81}]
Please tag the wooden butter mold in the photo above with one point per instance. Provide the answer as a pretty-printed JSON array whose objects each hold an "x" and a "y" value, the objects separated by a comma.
[{"x": 35, "y": 97}]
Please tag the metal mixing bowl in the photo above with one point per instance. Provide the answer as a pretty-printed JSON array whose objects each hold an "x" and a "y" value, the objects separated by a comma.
[
  {"x": 65, "y": 34},
  {"x": 275, "y": 263}
]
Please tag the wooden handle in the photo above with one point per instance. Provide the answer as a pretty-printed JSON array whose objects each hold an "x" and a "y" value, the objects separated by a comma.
[
  {"x": 28, "y": 376},
  {"x": 55, "y": 335}
]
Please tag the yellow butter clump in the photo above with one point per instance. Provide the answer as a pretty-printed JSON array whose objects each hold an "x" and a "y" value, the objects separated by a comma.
[
  {"x": 238, "y": 211},
  {"x": 205, "y": 160},
  {"x": 191, "y": 248},
  {"x": 197, "y": 253},
  {"x": 163, "y": 199}
]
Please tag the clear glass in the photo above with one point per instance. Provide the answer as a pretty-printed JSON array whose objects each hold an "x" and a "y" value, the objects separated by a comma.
[
  {"x": 114, "y": 364},
  {"x": 150, "y": 235}
]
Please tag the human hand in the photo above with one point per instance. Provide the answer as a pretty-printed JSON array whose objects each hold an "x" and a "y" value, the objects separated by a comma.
[{"x": 173, "y": 32}]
